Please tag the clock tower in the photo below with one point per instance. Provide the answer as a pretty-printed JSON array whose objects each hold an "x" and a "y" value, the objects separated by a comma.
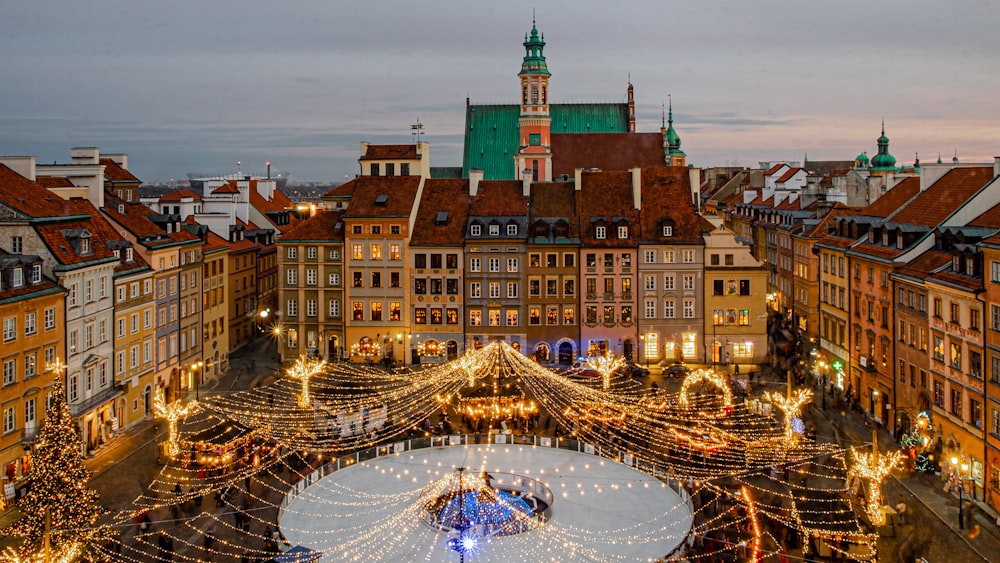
[{"x": 534, "y": 154}]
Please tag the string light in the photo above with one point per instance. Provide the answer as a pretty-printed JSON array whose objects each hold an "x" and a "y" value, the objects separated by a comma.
[
  {"x": 791, "y": 406},
  {"x": 605, "y": 365},
  {"x": 362, "y": 408}
]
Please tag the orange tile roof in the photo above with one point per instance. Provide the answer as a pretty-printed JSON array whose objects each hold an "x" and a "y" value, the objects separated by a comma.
[
  {"x": 214, "y": 242},
  {"x": 876, "y": 251},
  {"x": 400, "y": 192},
  {"x": 178, "y": 195},
  {"x": 774, "y": 169},
  {"x": 106, "y": 231},
  {"x": 27, "y": 197},
  {"x": 321, "y": 226},
  {"x": 606, "y": 151},
  {"x": 390, "y": 152},
  {"x": 951, "y": 191},
  {"x": 114, "y": 172},
  {"x": 226, "y": 188},
  {"x": 450, "y": 196}
]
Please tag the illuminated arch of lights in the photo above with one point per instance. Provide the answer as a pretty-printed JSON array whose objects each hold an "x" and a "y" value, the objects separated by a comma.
[{"x": 264, "y": 438}]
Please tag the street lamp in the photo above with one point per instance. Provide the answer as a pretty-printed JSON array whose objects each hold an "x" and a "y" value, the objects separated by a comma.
[
  {"x": 961, "y": 488},
  {"x": 196, "y": 370}
]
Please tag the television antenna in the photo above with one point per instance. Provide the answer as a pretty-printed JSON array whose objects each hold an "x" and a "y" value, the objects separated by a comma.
[{"x": 417, "y": 130}]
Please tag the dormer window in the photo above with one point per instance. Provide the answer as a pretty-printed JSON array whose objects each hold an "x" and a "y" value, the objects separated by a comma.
[
  {"x": 600, "y": 232},
  {"x": 512, "y": 229},
  {"x": 36, "y": 273},
  {"x": 18, "y": 278},
  {"x": 668, "y": 231},
  {"x": 117, "y": 253},
  {"x": 84, "y": 245},
  {"x": 885, "y": 238},
  {"x": 970, "y": 266},
  {"x": 623, "y": 231},
  {"x": 494, "y": 230},
  {"x": 129, "y": 257},
  {"x": 899, "y": 240},
  {"x": 956, "y": 264},
  {"x": 476, "y": 229}
]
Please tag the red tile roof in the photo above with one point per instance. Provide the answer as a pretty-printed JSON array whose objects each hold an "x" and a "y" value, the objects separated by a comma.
[
  {"x": 889, "y": 202},
  {"x": 44, "y": 287},
  {"x": 178, "y": 195},
  {"x": 27, "y": 197},
  {"x": 553, "y": 200},
  {"x": 53, "y": 234},
  {"x": 390, "y": 152},
  {"x": 951, "y": 191},
  {"x": 115, "y": 173},
  {"x": 607, "y": 195},
  {"x": 103, "y": 229},
  {"x": 279, "y": 202},
  {"x": 135, "y": 219},
  {"x": 450, "y": 196},
  {"x": 922, "y": 266},
  {"x": 400, "y": 192},
  {"x": 54, "y": 182},
  {"x": 774, "y": 169},
  {"x": 606, "y": 151},
  {"x": 321, "y": 226},
  {"x": 498, "y": 198},
  {"x": 788, "y": 174},
  {"x": 666, "y": 193},
  {"x": 989, "y": 218}
]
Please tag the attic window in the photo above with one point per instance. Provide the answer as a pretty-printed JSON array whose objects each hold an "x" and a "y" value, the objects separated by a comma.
[
  {"x": 441, "y": 218},
  {"x": 85, "y": 244},
  {"x": 600, "y": 232},
  {"x": 128, "y": 255},
  {"x": 623, "y": 232},
  {"x": 494, "y": 230},
  {"x": 668, "y": 230},
  {"x": 18, "y": 279},
  {"x": 476, "y": 229},
  {"x": 121, "y": 208},
  {"x": 511, "y": 229},
  {"x": 885, "y": 238},
  {"x": 381, "y": 199},
  {"x": 36, "y": 273}
]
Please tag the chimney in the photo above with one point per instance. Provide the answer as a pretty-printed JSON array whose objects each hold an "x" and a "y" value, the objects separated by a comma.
[
  {"x": 637, "y": 187},
  {"x": 475, "y": 176},
  {"x": 694, "y": 177},
  {"x": 526, "y": 185},
  {"x": 578, "y": 178},
  {"x": 85, "y": 155},
  {"x": 23, "y": 165}
]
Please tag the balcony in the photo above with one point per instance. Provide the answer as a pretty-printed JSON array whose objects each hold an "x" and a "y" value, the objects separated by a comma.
[
  {"x": 109, "y": 394},
  {"x": 29, "y": 435}
]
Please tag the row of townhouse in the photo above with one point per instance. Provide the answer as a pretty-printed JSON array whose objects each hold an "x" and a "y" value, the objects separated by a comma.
[
  {"x": 415, "y": 269},
  {"x": 130, "y": 297},
  {"x": 901, "y": 299}
]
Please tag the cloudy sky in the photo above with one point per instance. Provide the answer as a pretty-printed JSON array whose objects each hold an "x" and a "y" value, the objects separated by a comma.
[{"x": 188, "y": 85}]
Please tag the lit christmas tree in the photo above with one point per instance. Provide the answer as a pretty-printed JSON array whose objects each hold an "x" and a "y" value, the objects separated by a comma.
[{"x": 58, "y": 483}]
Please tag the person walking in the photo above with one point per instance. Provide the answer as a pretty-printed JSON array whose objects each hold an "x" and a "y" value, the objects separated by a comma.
[
  {"x": 165, "y": 546},
  {"x": 901, "y": 512}
]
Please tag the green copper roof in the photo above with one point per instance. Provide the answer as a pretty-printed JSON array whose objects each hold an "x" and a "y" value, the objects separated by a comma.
[
  {"x": 862, "y": 160},
  {"x": 883, "y": 160},
  {"x": 534, "y": 60},
  {"x": 491, "y": 132}
]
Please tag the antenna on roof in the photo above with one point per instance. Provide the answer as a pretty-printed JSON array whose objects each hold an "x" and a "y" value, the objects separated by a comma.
[
  {"x": 239, "y": 170},
  {"x": 417, "y": 130}
]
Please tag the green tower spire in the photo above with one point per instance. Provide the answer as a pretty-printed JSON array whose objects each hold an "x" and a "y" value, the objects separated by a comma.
[
  {"x": 673, "y": 139},
  {"x": 534, "y": 60},
  {"x": 883, "y": 160}
]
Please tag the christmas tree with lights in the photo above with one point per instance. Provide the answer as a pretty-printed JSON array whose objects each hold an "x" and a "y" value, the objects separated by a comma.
[{"x": 57, "y": 484}]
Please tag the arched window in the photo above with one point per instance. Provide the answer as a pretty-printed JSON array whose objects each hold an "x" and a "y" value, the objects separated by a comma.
[
  {"x": 545, "y": 95},
  {"x": 534, "y": 170},
  {"x": 534, "y": 94},
  {"x": 524, "y": 96}
]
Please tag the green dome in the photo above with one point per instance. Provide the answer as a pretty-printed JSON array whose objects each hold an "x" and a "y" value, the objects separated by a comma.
[
  {"x": 883, "y": 160},
  {"x": 861, "y": 161}
]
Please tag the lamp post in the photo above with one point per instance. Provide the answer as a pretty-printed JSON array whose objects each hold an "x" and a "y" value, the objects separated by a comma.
[
  {"x": 196, "y": 370},
  {"x": 961, "y": 469}
]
